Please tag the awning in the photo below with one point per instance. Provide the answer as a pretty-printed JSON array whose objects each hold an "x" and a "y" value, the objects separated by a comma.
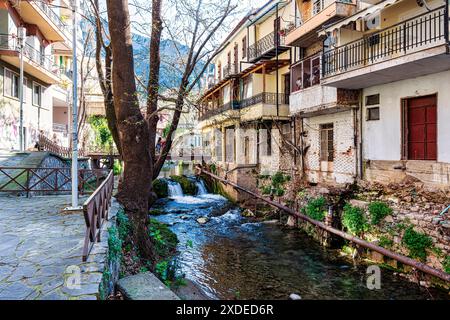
[{"x": 359, "y": 15}]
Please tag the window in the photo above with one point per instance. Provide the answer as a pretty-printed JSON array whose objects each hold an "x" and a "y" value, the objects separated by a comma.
[
  {"x": 37, "y": 94},
  {"x": 269, "y": 141},
  {"x": 373, "y": 113},
  {"x": 317, "y": 6},
  {"x": 12, "y": 81},
  {"x": 244, "y": 47},
  {"x": 326, "y": 142},
  {"x": 306, "y": 73}
]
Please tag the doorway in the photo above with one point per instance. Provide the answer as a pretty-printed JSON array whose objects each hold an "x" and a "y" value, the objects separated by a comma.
[{"x": 420, "y": 122}]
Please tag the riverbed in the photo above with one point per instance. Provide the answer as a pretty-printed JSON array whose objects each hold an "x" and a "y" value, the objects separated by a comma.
[{"x": 231, "y": 257}]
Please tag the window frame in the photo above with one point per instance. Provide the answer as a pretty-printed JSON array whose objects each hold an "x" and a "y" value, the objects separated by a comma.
[
  {"x": 35, "y": 84},
  {"x": 326, "y": 154},
  {"x": 312, "y": 81}
]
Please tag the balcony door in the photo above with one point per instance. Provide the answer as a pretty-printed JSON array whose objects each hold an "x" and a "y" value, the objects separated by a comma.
[
  {"x": 421, "y": 128},
  {"x": 277, "y": 28}
]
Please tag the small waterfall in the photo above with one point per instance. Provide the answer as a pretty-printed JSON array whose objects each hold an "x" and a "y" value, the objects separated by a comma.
[
  {"x": 201, "y": 187},
  {"x": 174, "y": 189}
]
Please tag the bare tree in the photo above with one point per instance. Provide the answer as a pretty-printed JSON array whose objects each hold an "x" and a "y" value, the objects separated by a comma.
[{"x": 193, "y": 26}]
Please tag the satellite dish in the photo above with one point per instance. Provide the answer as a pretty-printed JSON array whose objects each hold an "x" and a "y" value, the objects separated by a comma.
[{"x": 373, "y": 22}]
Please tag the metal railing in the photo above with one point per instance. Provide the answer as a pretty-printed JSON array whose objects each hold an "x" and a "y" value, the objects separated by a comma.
[
  {"x": 48, "y": 180},
  {"x": 266, "y": 98},
  {"x": 11, "y": 42},
  {"x": 232, "y": 105},
  {"x": 45, "y": 144},
  {"x": 230, "y": 70},
  {"x": 95, "y": 211},
  {"x": 408, "y": 36},
  {"x": 53, "y": 16},
  {"x": 59, "y": 127},
  {"x": 267, "y": 43}
]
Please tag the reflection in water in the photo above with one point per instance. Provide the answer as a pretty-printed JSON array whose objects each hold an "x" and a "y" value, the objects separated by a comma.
[{"x": 233, "y": 258}]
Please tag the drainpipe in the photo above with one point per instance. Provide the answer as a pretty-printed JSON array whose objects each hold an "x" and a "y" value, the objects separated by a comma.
[
  {"x": 446, "y": 24},
  {"x": 277, "y": 35},
  {"x": 361, "y": 152}
]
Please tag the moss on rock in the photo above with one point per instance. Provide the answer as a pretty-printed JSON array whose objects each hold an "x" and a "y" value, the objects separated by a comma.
[
  {"x": 189, "y": 187},
  {"x": 161, "y": 188}
]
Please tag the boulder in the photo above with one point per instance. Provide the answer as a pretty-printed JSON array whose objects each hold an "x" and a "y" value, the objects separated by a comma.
[
  {"x": 144, "y": 286},
  {"x": 294, "y": 296},
  {"x": 203, "y": 220}
]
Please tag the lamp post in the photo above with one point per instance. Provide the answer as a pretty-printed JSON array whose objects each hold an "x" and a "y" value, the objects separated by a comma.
[
  {"x": 74, "y": 109},
  {"x": 21, "y": 39}
]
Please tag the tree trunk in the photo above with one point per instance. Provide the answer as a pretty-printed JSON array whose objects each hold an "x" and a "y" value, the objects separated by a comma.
[
  {"x": 133, "y": 130},
  {"x": 153, "y": 79}
]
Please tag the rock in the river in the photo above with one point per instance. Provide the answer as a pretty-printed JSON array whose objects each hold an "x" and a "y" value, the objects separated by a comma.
[
  {"x": 203, "y": 220},
  {"x": 295, "y": 296},
  {"x": 184, "y": 217},
  {"x": 144, "y": 286},
  {"x": 248, "y": 213},
  {"x": 270, "y": 222}
]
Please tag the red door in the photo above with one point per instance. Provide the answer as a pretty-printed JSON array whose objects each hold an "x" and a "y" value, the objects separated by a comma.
[{"x": 422, "y": 128}]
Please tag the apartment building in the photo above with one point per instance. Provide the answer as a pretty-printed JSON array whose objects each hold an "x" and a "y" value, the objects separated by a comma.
[
  {"x": 325, "y": 118},
  {"x": 396, "y": 53},
  {"x": 47, "y": 46},
  {"x": 246, "y": 101}
]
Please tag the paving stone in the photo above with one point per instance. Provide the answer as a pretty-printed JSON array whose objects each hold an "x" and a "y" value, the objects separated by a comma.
[{"x": 38, "y": 244}]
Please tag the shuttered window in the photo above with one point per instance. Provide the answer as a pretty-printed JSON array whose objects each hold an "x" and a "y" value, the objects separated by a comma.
[{"x": 326, "y": 142}]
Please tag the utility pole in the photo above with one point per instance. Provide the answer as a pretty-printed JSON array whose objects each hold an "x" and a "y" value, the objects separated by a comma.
[
  {"x": 21, "y": 40},
  {"x": 74, "y": 108}
]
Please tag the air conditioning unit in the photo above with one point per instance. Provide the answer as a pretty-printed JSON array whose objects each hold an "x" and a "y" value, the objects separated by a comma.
[{"x": 373, "y": 21}]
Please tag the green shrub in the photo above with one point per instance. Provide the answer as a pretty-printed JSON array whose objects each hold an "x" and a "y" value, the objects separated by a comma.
[
  {"x": 123, "y": 224},
  {"x": 161, "y": 188},
  {"x": 156, "y": 212},
  {"x": 117, "y": 167},
  {"x": 385, "y": 242},
  {"x": 114, "y": 244},
  {"x": 417, "y": 243},
  {"x": 165, "y": 240},
  {"x": 378, "y": 211},
  {"x": 316, "y": 209},
  {"x": 353, "y": 220},
  {"x": 447, "y": 264},
  {"x": 188, "y": 186}
]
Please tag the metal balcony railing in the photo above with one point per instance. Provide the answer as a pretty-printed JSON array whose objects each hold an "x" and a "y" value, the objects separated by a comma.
[
  {"x": 53, "y": 16},
  {"x": 266, "y": 98},
  {"x": 420, "y": 32},
  {"x": 266, "y": 44},
  {"x": 11, "y": 42},
  {"x": 59, "y": 127},
  {"x": 232, "y": 105},
  {"x": 230, "y": 70}
]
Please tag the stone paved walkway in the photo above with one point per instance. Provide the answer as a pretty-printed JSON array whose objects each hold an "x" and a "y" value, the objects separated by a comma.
[{"x": 41, "y": 248}]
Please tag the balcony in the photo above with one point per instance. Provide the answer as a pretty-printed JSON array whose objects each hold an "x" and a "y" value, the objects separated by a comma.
[
  {"x": 230, "y": 70},
  {"x": 232, "y": 105},
  {"x": 41, "y": 14},
  {"x": 306, "y": 34},
  {"x": 267, "y": 48},
  {"x": 265, "y": 105},
  {"x": 35, "y": 63},
  {"x": 410, "y": 49}
]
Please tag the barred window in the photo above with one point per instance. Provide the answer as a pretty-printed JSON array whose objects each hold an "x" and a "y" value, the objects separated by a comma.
[{"x": 327, "y": 142}]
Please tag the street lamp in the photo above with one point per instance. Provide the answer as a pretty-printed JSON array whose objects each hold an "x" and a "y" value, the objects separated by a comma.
[
  {"x": 74, "y": 109},
  {"x": 21, "y": 40}
]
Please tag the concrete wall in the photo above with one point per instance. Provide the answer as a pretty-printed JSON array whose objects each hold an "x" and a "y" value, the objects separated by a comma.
[
  {"x": 35, "y": 118},
  {"x": 382, "y": 138}
]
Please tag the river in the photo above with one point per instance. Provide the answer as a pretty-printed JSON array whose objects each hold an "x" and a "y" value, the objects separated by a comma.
[{"x": 230, "y": 257}]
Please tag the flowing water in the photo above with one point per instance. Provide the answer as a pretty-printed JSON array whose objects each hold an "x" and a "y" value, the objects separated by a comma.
[{"x": 229, "y": 257}]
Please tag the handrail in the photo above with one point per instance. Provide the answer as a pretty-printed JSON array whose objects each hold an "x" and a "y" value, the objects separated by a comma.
[
  {"x": 400, "y": 38},
  {"x": 45, "y": 144},
  {"x": 265, "y": 44},
  {"x": 45, "y": 180},
  {"x": 401, "y": 258},
  {"x": 95, "y": 212}
]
